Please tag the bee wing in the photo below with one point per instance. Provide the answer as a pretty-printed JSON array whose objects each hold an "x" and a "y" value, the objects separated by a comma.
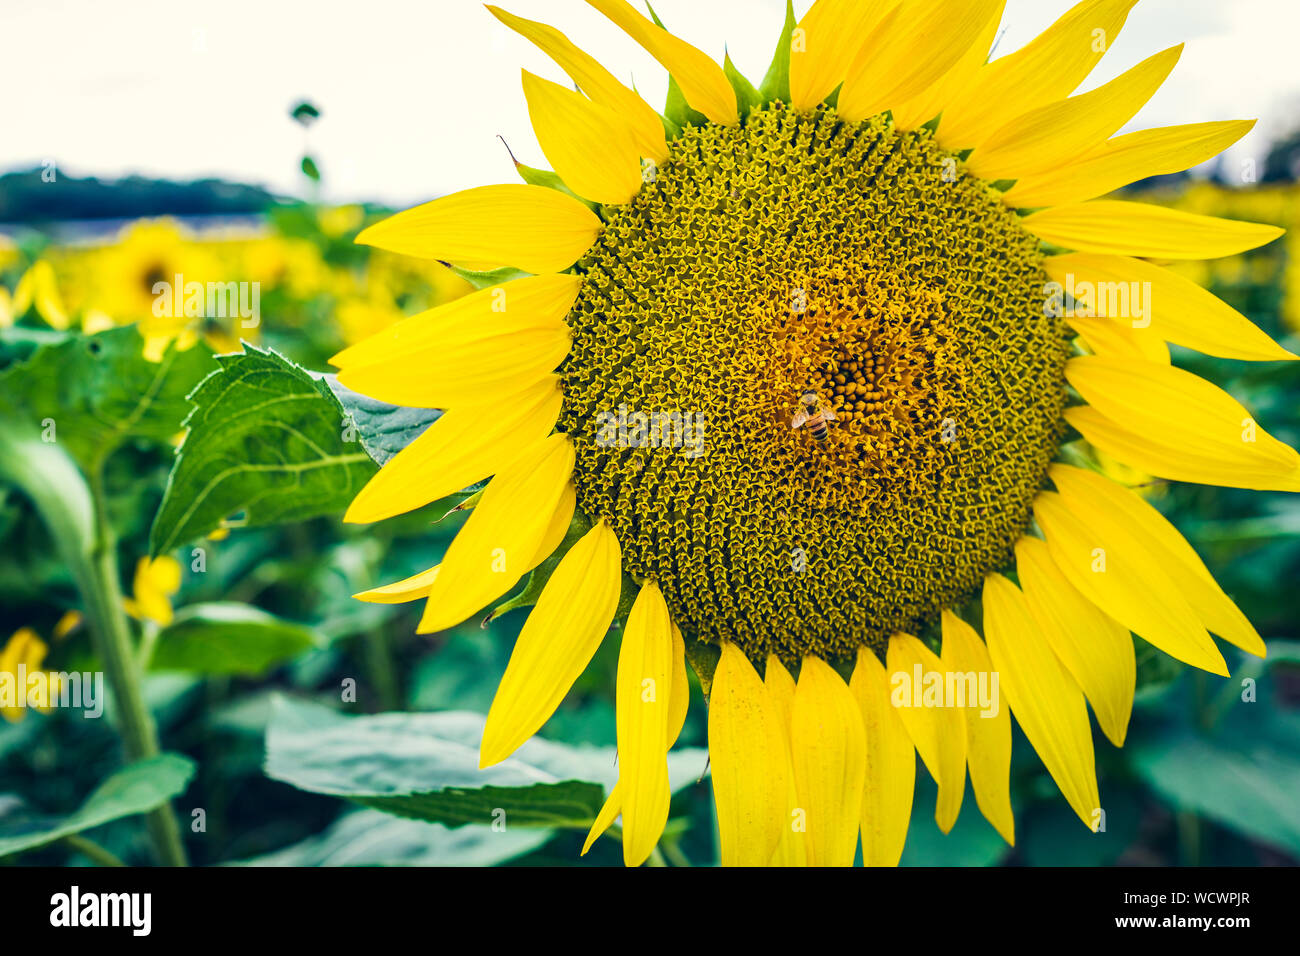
[
  {"x": 799, "y": 418},
  {"x": 829, "y": 415}
]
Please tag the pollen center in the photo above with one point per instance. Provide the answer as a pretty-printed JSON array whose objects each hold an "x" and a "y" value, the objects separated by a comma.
[{"x": 812, "y": 386}]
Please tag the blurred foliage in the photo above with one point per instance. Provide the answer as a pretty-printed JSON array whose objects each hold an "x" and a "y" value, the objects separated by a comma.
[{"x": 303, "y": 713}]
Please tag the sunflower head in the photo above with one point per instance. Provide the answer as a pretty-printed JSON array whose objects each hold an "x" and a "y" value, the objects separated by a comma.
[{"x": 807, "y": 379}]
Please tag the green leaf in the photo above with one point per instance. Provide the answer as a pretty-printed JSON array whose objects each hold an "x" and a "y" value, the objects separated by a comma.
[
  {"x": 1246, "y": 777},
  {"x": 228, "y": 638},
  {"x": 776, "y": 84},
  {"x": 139, "y": 788},
  {"x": 384, "y": 429},
  {"x": 91, "y": 394},
  {"x": 266, "y": 439},
  {"x": 972, "y": 841},
  {"x": 1049, "y": 833},
  {"x": 425, "y": 766},
  {"x": 310, "y": 169},
  {"x": 371, "y": 838}
]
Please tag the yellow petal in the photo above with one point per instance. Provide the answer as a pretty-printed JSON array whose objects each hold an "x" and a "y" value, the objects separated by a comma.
[
  {"x": 609, "y": 812},
  {"x": 1096, "y": 649},
  {"x": 590, "y": 147},
  {"x": 679, "y": 701},
  {"x": 527, "y": 304},
  {"x": 830, "y": 762},
  {"x": 472, "y": 351},
  {"x": 499, "y": 541},
  {"x": 1116, "y": 571},
  {"x": 645, "y": 671},
  {"x": 1141, "y": 229},
  {"x": 929, "y": 103},
  {"x": 1181, "y": 311},
  {"x": 1060, "y": 133},
  {"x": 988, "y": 729},
  {"x": 1120, "y": 339},
  {"x": 824, "y": 43},
  {"x": 891, "y": 765},
  {"x": 39, "y": 287},
  {"x": 677, "y": 709},
  {"x": 1048, "y": 68},
  {"x": 408, "y": 589},
  {"x": 913, "y": 47},
  {"x": 1045, "y": 699},
  {"x": 556, "y": 643},
  {"x": 528, "y": 227},
  {"x": 1166, "y": 460},
  {"x": 937, "y": 729},
  {"x": 1175, "y": 410},
  {"x": 462, "y": 447},
  {"x": 1085, "y": 489},
  {"x": 561, "y": 519},
  {"x": 749, "y": 761},
  {"x": 792, "y": 849},
  {"x": 702, "y": 81},
  {"x": 594, "y": 80},
  {"x": 68, "y": 623},
  {"x": 1126, "y": 159}
]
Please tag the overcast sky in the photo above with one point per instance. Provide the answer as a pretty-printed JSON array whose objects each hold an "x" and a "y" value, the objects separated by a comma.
[{"x": 414, "y": 92}]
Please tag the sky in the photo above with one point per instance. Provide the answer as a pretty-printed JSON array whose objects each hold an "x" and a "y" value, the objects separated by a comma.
[{"x": 414, "y": 93}]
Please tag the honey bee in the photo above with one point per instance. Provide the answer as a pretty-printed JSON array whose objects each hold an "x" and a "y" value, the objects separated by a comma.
[{"x": 813, "y": 413}]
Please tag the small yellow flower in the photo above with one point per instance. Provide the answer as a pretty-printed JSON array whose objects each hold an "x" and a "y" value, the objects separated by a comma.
[
  {"x": 26, "y": 650},
  {"x": 155, "y": 583},
  {"x": 67, "y": 624}
]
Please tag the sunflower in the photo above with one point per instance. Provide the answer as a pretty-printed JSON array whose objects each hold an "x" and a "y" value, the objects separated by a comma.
[
  {"x": 896, "y": 243},
  {"x": 133, "y": 281}
]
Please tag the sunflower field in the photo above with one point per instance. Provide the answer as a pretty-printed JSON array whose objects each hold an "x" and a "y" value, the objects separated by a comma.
[{"x": 237, "y": 457}]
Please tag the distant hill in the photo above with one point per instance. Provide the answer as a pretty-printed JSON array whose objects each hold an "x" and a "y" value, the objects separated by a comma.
[{"x": 26, "y": 197}]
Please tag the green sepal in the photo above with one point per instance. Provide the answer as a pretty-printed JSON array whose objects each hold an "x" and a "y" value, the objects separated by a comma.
[
  {"x": 746, "y": 96},
  {"x": 468, "y": 499},
  {"x": 626, "y": 598},
  {"x": 671, "y": 129},
  {"x": 776, "y": 84},
  {"x": 483, "y": 280},
  {"x": 548, "y": 179},
  {"x": 703, "y": 658},
  {"x": 540, "y": 575}
]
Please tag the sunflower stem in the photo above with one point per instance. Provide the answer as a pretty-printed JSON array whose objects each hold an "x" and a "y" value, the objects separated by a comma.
[
  {"x": 78, "y": 523},
  {"x": 383, "y": 673}
]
